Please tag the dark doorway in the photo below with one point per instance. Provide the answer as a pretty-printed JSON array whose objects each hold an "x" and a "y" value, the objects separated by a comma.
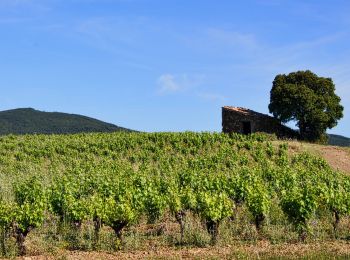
[{"x": 247, "y": 128}]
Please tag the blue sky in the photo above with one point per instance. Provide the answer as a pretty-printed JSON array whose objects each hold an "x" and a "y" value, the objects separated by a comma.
[{"x": 166, "y": 65}]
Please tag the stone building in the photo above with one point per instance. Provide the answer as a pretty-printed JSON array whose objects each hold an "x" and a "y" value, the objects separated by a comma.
[{"x": 246, "y": 121}]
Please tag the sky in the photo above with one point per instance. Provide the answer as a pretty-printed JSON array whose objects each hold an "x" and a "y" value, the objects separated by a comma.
[{"x": 167, "y": 65}]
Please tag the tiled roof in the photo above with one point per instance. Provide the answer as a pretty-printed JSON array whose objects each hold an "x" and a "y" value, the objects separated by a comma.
[{"x": 245, "y": 111}]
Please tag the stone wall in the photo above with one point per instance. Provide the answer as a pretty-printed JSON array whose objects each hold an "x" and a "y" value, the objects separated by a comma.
[{"x": 236, "y": 119}]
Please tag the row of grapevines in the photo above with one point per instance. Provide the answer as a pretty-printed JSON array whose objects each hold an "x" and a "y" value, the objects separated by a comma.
[{"x": 116, "y": 179}]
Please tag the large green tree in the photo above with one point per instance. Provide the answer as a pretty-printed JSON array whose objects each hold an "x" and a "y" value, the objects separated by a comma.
[{"x": 307, "y": 99}]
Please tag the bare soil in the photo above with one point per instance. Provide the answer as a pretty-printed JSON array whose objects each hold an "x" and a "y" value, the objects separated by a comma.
[{"x": 337, "y": 157}]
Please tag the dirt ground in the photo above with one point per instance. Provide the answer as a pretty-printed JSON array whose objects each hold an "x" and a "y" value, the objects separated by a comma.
[
  {"x": 260, "y": 250},
  {"x": 337, "y": 157}
]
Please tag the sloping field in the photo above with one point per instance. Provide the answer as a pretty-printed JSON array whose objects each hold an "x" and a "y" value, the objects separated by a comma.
[
  {"x": 337, "y": 157},
  {"x": 185, "y": 195}
]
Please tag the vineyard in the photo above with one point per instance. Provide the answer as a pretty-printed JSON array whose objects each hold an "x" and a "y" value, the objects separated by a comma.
[{"x": 97, "y": 191}]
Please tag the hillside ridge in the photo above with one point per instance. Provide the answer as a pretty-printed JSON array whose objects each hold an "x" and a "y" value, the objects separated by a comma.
[
  {"x": 338, "y": 140},
  {"x": 32, "y": 121}
]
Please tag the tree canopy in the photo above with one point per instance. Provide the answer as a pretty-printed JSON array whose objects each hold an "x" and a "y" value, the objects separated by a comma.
[{"x": 309, "y": 100}]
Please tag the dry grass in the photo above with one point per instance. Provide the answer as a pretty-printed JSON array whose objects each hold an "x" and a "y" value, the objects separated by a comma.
[
  {"x": 337, "y": 157},
  {"x": 260, "y": 250},
  {"x": 238, "y": 240}
]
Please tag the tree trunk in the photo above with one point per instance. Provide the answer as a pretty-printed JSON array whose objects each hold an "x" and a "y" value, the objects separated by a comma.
[
  {"x": 213, "y": 230},
  {"x": 77, "y": 224},
  {"x": 238, "y": 203},
  {"x": 97, "y": 227},
  {"x": 20, "y": 236},
  {"x": 259, "y": 219},
  {"x": 180, "y": 218},
  {"x": 3, "y": 241},
  {"x": 118, "y": 230},
  {"x": 303, "y": 232},
  {"x": 336, "y": 222},
  {"x": 302, "y": 130},
  {"x": 303, "y": 236}
]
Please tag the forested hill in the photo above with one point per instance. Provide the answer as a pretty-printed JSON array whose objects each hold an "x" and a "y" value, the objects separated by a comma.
[
  {"x": 338, "y": 140},
  {"x": 29, "y": 121}
]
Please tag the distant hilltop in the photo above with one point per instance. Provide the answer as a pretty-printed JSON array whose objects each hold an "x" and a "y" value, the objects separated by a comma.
[
  {"x": 338, "y": 140},
  {"x": 31, "y": 121}
]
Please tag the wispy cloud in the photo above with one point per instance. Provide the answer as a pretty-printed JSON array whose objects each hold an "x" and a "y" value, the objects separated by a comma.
[
  {"x": 191, "y": 84},
  {"x": 220, "y": 42},
  {"x": 112, "y": 30},
  {"x": 119, "y": 36},
  {"x": 231, "y": 38},
  {"x": 271, "y": 2},
  {"x": 170, "y": 83},
  {"x": 32, "y": 4},
  {"x": 292, "y": 56},
  {"x": 22, "y": 11},
  {"x": 343, "y": 90},
  {"x": 212, "y": 97},
  {"x": 12, "y": 20},
  {"x": 95, "y": 27},
  {"x": 9, "y": 3}
]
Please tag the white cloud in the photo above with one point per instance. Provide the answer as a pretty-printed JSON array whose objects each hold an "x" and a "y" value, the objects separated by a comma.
[{"x": 170, "y": 83}]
